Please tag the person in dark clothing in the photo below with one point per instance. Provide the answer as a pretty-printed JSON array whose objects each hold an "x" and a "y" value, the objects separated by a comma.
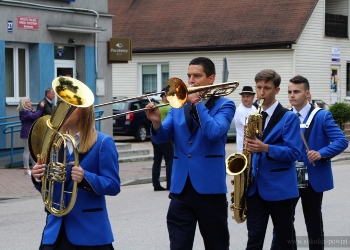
[{"x": 48, "y": 101}]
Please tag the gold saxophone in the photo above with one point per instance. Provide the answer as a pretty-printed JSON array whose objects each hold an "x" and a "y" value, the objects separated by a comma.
[{"x": 239, "y": 165}]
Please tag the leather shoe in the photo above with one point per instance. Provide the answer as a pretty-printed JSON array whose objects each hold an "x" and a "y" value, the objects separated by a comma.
[{"x": 160, "y": 188}]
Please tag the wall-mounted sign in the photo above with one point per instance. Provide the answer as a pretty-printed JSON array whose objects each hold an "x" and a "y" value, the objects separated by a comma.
[
  {"x": 60, "y": 53},
  {"x": 28, "y": 23},
  {"x": 335, "y": 54},
  {"x": 119, "y": 50},
  {"x": 9, "y": 26}
]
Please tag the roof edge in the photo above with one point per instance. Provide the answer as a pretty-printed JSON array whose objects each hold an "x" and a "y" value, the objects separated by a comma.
[{"x": 280, "y": 45}]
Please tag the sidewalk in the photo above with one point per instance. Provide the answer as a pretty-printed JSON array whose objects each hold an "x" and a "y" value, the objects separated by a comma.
[{"x": 14, "y": 184}]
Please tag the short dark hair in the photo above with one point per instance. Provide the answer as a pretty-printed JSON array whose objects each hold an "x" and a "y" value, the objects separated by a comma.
[
  {"x": 48, "y": 90},
  {"x": 206, "y": 63},
  {"x": 268, "y": 75},
  {"x": 301, "y": 80}
]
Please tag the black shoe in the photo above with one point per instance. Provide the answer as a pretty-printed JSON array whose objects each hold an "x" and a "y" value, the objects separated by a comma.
[{"x": 160, "y": 188}]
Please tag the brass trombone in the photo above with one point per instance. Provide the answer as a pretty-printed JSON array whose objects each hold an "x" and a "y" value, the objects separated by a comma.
[{"x": 177, "y": 93}]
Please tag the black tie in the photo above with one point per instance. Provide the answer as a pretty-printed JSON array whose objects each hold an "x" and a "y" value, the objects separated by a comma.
[
  {"x": 299, "y": 116},
  {"x": 264, "y": 115},
  {"x": 189, "y": 119}
]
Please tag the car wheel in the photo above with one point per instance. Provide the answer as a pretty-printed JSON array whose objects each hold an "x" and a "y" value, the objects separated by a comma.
[{"x": 141, "y": 133}]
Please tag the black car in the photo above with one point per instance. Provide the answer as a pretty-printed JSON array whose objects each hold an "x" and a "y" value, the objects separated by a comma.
[{"x": 135, "y": 124}]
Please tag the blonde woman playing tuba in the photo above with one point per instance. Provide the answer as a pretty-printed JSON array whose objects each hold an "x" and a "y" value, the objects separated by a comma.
[{"x": 87, "y": 224}]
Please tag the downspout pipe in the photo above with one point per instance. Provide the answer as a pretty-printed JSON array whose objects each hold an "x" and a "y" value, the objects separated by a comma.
[{"x": 66, "y": 8}]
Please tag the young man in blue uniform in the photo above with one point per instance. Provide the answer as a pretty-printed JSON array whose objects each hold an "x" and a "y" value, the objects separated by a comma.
[
  {"x": 325, "y": 140},
  {"x": 274, "y": 188},
  {"x": 198, "y": 185}
]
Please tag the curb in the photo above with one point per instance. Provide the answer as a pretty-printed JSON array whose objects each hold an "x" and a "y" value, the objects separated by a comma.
[{"x": 141, "y": 181}]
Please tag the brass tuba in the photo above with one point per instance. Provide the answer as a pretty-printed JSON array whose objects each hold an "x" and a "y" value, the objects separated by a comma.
[
  {"x": 239, "y": 165},
  {"x": 46, "y": 142}
]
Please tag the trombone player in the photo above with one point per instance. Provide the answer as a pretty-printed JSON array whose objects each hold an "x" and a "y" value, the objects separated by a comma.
[{"x": 198, "y": 184}]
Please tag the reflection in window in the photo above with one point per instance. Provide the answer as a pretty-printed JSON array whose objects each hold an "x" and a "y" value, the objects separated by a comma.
[
  {"x": 154, "y": 77},
  {"x": 16, "y": 68}
]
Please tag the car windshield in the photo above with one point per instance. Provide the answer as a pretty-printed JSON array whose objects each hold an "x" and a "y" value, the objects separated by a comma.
[{"x": 119, "y": 106}]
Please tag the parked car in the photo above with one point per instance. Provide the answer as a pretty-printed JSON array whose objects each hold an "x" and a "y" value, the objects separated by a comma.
[
  {"x": 133, "y": 124},
  {"x": 231, "y": 134}
]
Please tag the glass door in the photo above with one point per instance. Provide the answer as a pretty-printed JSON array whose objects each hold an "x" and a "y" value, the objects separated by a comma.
[{"x": 65, "y": 68}]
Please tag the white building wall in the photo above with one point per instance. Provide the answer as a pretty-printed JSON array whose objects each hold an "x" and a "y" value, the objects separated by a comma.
[
  {"x": 339, "y": 7},
  {"x": 243, "y": 66},
  {"x": 313, "y": 56}
]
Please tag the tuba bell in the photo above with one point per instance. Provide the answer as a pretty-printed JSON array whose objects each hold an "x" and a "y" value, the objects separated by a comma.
[
  {"x": 46, "y": 141},
  {"x": 239, "y": 165}
]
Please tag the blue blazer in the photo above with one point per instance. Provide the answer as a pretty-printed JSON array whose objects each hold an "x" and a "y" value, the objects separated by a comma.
[
  {"x": 200, "y": 153},
  {"x": 87, "y": 224},
  {"x": 327, "y": 138},
  {"x": 274, "y": 173}
]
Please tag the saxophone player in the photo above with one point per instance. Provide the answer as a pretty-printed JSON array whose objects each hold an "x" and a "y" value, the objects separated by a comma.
[{"x": 274, "y": 188}]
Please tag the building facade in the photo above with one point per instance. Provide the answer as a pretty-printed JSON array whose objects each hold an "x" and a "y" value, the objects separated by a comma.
[
  {"x": 308, "y": 37},
  {"x": 47, "y": 39}
]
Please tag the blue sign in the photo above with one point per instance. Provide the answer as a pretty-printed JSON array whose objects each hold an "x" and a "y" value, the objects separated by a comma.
[
  {"x": 9, "y": 26},
  {"x": 60, "y": 53},
  {"x": 335, "y": 54}
]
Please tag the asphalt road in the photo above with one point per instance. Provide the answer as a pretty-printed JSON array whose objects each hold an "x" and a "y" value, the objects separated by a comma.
[{"x": 138, "y": 218}]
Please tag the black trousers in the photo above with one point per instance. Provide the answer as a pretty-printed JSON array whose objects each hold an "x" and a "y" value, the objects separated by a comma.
[
  {"x": 62, "y": 243},
  {"x": 282, "y": 215},
  {"x": 311, "y": 202},
  {"x": 190, "y": 207},
  {"x": 165, "y": 150}
]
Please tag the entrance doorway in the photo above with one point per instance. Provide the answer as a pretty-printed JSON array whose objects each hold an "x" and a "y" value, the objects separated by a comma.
[
  {"x": 65, "y": 61},
  {"x": 65, "y": 68}
]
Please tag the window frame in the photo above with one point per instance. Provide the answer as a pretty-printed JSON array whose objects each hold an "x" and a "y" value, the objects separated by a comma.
[
  {"x": 159, "y": 76},
  {"x": 15, "y": 99}
]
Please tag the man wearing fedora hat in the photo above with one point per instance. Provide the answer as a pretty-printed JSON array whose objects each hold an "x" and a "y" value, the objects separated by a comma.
[{"x": 244, "y": 110}]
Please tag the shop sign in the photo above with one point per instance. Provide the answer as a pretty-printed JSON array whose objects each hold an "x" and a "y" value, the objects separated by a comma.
[{"x": 119, "y": 50}]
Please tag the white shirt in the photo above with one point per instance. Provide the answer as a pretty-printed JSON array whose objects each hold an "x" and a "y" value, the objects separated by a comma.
[
  {"x": 240, "y": 119},
  {"x": 303, "y": 112},
  {"x": 269, "y": 112},
  {"x": 69, "y": 144}
]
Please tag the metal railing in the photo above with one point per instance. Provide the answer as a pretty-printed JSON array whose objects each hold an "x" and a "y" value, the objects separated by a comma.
[{"x": 15, "y": 126}]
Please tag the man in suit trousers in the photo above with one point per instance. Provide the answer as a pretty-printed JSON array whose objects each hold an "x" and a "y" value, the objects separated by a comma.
[
  {"x": 48, "y": 101},
  {"x": 198, "y": 184},
  {"x": 274, "y": 188},
  {"x": 325, "y": 140}
]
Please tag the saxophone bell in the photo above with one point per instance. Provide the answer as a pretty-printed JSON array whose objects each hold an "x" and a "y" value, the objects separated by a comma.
[{"x": 236, "y": 163}]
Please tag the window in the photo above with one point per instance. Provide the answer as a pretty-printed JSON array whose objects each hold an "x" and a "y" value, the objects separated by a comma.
[
  {"x": 154, "y": 77},
  {"x": 336, "y": 25},
  {"x": 16, "y": 70}
]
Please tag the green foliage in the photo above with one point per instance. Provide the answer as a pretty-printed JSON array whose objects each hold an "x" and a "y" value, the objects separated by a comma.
[{"x": 341, "y": 113}]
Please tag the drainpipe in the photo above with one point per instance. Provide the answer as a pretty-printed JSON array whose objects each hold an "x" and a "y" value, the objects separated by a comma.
[{"x": 66, "y": 8}]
